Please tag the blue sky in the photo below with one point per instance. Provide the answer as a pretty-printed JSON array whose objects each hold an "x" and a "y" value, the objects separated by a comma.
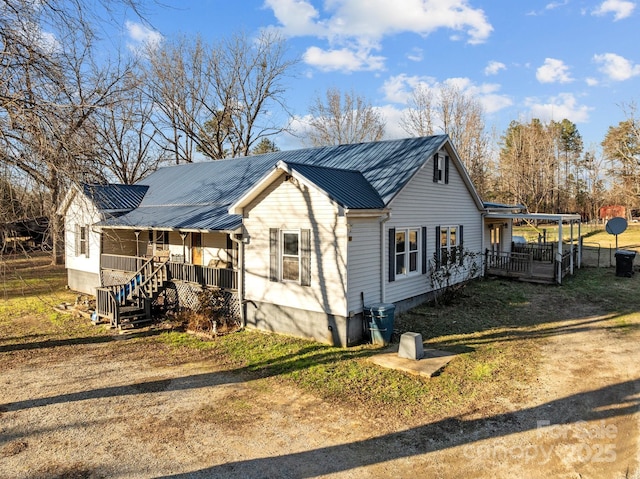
[{"x": 574, "y": 59}]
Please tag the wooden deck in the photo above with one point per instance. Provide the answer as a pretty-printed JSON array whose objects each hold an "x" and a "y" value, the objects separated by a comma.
[{"x": 528, "y": 267}]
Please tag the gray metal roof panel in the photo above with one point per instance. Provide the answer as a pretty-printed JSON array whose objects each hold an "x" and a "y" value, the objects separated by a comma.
[
  {"x": 348, "y": 188},
  {"x": 115, "y": 196},
  {"x": 386, "y": 166},
  {"x": 207, "y": 217}
]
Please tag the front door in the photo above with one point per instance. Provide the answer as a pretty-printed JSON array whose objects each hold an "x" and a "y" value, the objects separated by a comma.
[{"x": 196, "y": 248}]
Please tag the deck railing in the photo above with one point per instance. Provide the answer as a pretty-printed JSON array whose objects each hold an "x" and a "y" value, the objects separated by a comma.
[
  {"x": 121, "y": 262},
  {"x": 203, "y": 275},
  {"x": 520, "y": 263},
  {"x": 540, "y": 252}
]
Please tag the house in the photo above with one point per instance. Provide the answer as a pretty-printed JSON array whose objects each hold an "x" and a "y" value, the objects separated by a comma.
[
  {"x": 83, "y": 207},
  {"x": 300, "y": 241}
]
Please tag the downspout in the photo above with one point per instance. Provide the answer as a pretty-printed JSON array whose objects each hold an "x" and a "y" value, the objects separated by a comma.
[
  {"x": 240, "y": 242},
  {"x": 383, "y": 256},
  {"x": 482, "y": 243}
]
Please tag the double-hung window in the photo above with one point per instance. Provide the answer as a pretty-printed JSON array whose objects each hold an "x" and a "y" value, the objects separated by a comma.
[
  {"x": 290, "y": 256},
  {"x": 82, "y": 240},
  {"x": 440, "y": 168},
  {"x": 450, "y": 241},
  {"x": 407, "y": 251}
]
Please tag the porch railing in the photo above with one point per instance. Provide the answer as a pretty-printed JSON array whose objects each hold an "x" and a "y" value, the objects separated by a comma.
[
  {"x": 205, "y": 276},
  {"x": 540, "y": 252},
  {"x": 518, "y": 263},
  {"x": 121, "y": 262}
]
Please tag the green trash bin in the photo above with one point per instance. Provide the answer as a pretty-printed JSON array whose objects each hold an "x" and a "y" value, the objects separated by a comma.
[{"x": 379, "y": 318}]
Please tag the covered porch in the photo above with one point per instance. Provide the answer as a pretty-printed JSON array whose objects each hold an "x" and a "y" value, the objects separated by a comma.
[
  {"x": 543, "y": 262},
  {"x": 146, "y": 270}
]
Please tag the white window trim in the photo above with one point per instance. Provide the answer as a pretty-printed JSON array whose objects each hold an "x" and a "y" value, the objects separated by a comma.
[
  {"x": 408, "y": 251},
  {"x": 448, "y": 229},
  {"x": 282, "y": 255},
  {"x": 82, "y": 243},
  {"x": 441, "y": 162}
]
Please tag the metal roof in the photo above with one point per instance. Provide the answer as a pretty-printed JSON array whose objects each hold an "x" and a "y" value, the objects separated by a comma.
[
  {"x": 203, "y": 217},
  {"x": 348, "y": 188},
  {"x": 379, "y": 169},
  {"x": 115, "y": 197}
]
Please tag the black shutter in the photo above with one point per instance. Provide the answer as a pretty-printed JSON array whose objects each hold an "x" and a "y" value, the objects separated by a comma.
[
  {"x": 424, "y": 250},
  {"x": 438, "y": 252},
  {"x": 392, "y": 254},
  {"x": 78, "y": 239},
  {"x": 305, "y": 257},
  {"x": 446, "y": 170},
  {"x": 86, "y": 240},
  {"x": 461, "y": 244},
  {"x": 435, "y": 168},
  {"x": 273, "y": 254}
]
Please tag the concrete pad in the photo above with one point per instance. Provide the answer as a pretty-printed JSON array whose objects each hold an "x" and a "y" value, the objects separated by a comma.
[{"x": 432, "y": 361}]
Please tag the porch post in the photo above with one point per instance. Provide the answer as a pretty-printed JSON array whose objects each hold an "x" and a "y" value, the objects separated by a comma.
[
  {"x": 559, "y": 254},
  {"x": 579, "y": 243},
  {"x": 137, "y": 233},
  {"x": 571, "y": 249}
]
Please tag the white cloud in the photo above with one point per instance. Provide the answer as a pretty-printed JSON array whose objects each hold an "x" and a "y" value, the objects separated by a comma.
[
  {"x": 559, "y": 107},
  {"x": 616, "y": 67},
  {"x": 142, "y": 36},
  {"x": 360, "y": 25},
  {"x": 620, "y": 9},
  {"x": 553, "y": 71},
  {"x": 592, "y": 81},
  {"x": 416, "y": 55},
  {"x": 342, "y": 60},
  {"x": 397, "y": 89},
  {"x": 494, "y": 67},
  {"x": 554, "y": 5}
]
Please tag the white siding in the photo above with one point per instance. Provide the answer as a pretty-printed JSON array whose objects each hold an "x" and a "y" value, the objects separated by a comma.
[
  {"x": 286, "y": 205},
  {"x": 425, "y": 203},
  {"x": 364, "y": 270},
  {"x": 82, "y": 212}
]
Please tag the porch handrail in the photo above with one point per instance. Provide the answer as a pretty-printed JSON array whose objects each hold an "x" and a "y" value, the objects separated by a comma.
[
  {"x": 218, "y": 277},
  {"x": 509, "y": 261},
  {"x": 107, "y": 305},
  {"x": 121, "y": 262}
]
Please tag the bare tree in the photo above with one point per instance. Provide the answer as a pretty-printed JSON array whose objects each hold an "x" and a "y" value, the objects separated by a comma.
[
  {"x": 621, "y": 148},
  {"x": 49, "y": 89},
  {"x": 220, "y": 99},
  {"x": 128, "y": 143},
  {"x": 449, "y": 110},
  {"x": 342, "y": 119}
]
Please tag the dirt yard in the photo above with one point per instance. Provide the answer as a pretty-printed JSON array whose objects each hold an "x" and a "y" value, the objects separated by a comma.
[{"x": 88, "y": 408}]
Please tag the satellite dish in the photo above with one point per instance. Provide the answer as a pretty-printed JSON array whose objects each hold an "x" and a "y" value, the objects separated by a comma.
[{"x": 616, "y": 225}]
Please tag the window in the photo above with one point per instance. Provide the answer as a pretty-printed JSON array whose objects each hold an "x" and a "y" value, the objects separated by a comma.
[
  {"x": 406, "y": 251},
  {"x": 407, "y": 247},
  {"x": 290, "y": 256},
  {"x": 162, "y": 240},
  {"x": 82, "y": 240},
  {"x": 450, "y": 243},
  {"x": 440, "y": 168}
]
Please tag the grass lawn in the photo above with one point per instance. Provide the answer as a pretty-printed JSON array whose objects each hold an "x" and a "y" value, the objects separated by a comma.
[{"x": 497, "y": 327}]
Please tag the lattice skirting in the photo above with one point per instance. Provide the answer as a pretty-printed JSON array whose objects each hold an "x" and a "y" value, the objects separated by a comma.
[
  {"x": 179, "y": 295},
  {"x": 109, "y": 278}
]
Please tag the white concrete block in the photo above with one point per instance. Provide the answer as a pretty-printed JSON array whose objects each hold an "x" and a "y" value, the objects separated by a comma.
[{"x": 411, "y": 346}]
